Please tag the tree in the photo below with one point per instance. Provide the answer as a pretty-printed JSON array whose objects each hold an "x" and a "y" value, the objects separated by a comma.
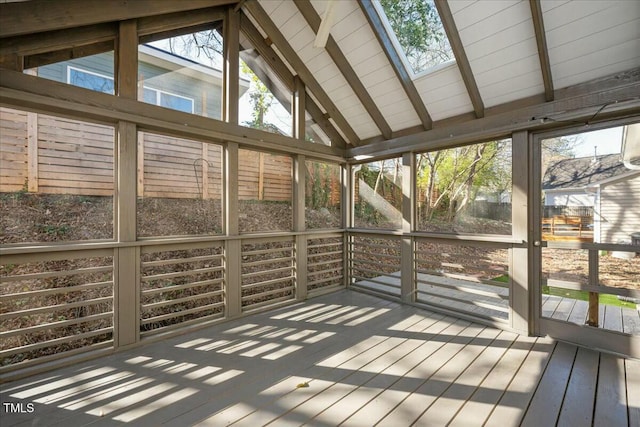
[
  {"x": 451, "y": 179},
  {"x": 204, "y": 47},
  {"x": 261, "y": 100},
  {"x": 419, "y": 31},
  {"x": 554, "y": 149}
]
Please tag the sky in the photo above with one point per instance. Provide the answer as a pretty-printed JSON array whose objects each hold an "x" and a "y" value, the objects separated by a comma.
[{"x": 607, "y": 141}]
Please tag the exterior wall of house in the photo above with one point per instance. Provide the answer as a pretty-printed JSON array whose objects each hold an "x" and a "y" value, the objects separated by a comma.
[
  {"x": 568, "y": 198},
  {"x": 206, "y": 95},
  {"x": 102, "y": 64},
  {"x": 619, "y": 213}
]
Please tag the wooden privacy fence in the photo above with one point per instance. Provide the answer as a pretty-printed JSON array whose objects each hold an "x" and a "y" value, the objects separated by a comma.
[{"x": 53, "y": 155}]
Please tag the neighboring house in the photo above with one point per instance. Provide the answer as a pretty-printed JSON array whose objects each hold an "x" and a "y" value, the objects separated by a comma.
[
  {"x": 166, "y": 79},
  {"x": 600, "y": 182}
]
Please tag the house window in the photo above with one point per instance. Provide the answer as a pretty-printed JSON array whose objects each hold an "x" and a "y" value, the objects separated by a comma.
[
  {"x": 90, "y": 80},
  {"x": 168, "y": 100}
]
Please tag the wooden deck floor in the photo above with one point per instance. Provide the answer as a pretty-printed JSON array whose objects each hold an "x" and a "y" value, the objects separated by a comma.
[
  {"x": 341, "y": 359},
  {"x": 452, "y": 295}
]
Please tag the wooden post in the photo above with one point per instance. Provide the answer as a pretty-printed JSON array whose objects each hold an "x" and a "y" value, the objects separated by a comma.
[
  {"x": 231, "y": 75},
  {"x": 233, "y": 247},
  {"x": 140, "y": 156},
  {"x": 518, "y": 256},
  {"x": 127, "y": 60},
  {"x": 594, "y": 303},
  {"x": 407, "y": 281},
  {"x": 534, "y": 231},
  {"x": 346, "y": 208},
  {"x": 127, "y": 259},
  {"x": 299, "y": 197}
]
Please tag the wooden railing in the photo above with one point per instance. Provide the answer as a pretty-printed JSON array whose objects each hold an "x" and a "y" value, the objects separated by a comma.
[
  {"x": 469, "y": 277},
  {"x": 325, "y": 261},
  {"x": 55, "y": 304},
  {"x": 374, "y": 264},
  {"x": 71, "y": 307},
  {"x": 592, "y": 282},
  {"x": 472, "y": 278}
]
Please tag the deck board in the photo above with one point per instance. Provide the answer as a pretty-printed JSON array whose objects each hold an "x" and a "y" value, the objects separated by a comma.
[
  {"x": 632, "y": 369},
  {"x": 460, "y": 390},
  {"x": 479, "y": 406},
  {"x": 611, "y": 399},
  {"x": 365, "y": 360},
  {"x": 547, "y": 402},
  {"x": 577, "y": 409}
]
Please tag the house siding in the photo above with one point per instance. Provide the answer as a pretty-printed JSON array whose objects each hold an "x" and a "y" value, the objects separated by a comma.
[
  {"x": 205, "y": 94},
  {"x": 568, "y": 198},
  {"x": 101, "y": 64},
  {"x": 619, "y": 210}
]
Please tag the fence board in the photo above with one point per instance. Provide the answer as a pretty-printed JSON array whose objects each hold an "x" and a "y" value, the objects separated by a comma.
[{"x": 75, "y": 157}]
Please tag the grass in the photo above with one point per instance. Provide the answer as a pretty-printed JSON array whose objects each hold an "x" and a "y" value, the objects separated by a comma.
[
  {"x": 573, "y": 294},
  {"x": 584, "y": 296}
]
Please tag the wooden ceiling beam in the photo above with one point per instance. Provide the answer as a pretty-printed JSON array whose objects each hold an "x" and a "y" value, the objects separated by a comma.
[
  {"x": 543, "y": 52},
  {"x": 176, "y": 21},
  {"x": 52, "y": 46},
  {"x": 313, "y": 19},
  {"x": 298, "y": 65},
  {"x": 47, "y": 58},
  {"x": 396, "y": 63},
  {"x": 282, "y": 71},
  {"x": 38, "y": 16},
  {"x": 51, "y": 41},
  {"x": 616, "y": 95},
  {"x": 231, "y": 64},
  {"x": 469, "y": 80}
]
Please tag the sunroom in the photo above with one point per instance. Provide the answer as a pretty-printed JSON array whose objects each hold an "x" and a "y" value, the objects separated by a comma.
[{"x": 320, "y": 212}]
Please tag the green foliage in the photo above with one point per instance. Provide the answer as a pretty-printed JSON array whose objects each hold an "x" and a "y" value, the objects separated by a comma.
[
  {"x": 261, "y": 100},
  {"x": 584, "y": 296},
  {"x": 450, "y": 180},
  {"x": 419, "y": 31}
]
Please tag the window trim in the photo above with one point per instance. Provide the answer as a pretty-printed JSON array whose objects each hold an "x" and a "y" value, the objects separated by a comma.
[{"x": 159, "y": 93}]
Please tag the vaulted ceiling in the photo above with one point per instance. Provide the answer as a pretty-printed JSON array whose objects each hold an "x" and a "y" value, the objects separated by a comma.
[
  {"x": 506, "y": 51},
  {"x": 511, "y": 55}
]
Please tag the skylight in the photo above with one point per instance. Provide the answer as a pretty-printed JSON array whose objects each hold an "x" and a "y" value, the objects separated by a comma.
[{"x": 417, "y": 31}]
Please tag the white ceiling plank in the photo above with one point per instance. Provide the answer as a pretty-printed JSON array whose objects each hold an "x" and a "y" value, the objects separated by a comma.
[
  {"x": 595, "y": 25},
  {"x": 515, "y": 20},
  {"x": 498, "y": 42},
  {"x": 479, "y": 11},
  {"x": 548, "y": 5},
  {"x": 576, "y": 11},
  {"x": 369, "y": 49},
  {"x": 459, "y": 5},
  {"x": 597, "y": 64},
  {"x": 596, "y": 42}
]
